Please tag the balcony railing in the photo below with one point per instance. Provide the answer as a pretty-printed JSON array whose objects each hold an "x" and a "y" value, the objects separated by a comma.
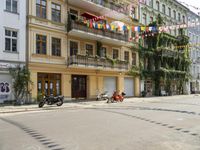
[
  {"x": 103, "y": 32},
  {"x": 85, "y": 61},
  {"x": 113, "y": 35},
  {"x": 111, "y": 5},
  {"x": 169, "y": 52}
]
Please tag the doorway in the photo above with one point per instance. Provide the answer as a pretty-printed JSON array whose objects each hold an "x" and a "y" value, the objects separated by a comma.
[{"x": 79, "y": 86}]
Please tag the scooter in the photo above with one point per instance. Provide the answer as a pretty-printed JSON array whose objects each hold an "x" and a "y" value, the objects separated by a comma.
[
  {"x": 50, "y": 100},
  {"x": 102, "y": 96},
  {"x": 116, "y": 97}
]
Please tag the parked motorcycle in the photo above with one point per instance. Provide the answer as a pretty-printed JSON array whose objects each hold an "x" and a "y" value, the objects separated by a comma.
[
  {"x": 50, "y": 100},
  {"x": 102, "y": 96},
  {"x": 116, "y": 97}
]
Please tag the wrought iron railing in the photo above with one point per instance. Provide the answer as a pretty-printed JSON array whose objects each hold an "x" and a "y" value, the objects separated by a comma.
[
  {"x": 103, "y": 32},
  {"x": 85, "y": 61}
]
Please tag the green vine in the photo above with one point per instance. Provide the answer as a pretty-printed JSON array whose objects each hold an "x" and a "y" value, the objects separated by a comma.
[{"x": 163, "y": 59}]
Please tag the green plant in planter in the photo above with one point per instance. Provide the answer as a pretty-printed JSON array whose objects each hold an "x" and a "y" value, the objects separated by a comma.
[
  {"x": 113, "y": 61},
  {"x": 135, "y": 71}
]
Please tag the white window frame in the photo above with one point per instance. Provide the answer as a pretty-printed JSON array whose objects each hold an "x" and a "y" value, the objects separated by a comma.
[
  {"x": 92, "y": 49},
  {"x": 78, "y": 52},
  {"x": 114, "y": 48},
  {"x": 10, "y": 37},
  {"x": 12, "y": 6}
]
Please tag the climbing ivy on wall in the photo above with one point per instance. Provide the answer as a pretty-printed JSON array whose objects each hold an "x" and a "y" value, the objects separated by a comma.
[{"x": 166, "y": 60}]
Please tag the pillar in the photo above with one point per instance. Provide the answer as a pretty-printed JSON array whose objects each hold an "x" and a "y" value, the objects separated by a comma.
[
  {"x": 33, "y": 87},
  {"x": 100, "y": 83},
  {"x": 66, "y": 85},
  {"x": 92, "y": 87},
  {"x": 137, "y": 86},
  {"x": 120, "y": 83}
]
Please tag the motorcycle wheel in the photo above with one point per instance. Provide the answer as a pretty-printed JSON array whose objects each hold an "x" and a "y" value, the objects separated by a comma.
[
  {"x": 41, "y": 104},
  {"x": 60, "y": 102},
  {"x": 109, "y": 100}
]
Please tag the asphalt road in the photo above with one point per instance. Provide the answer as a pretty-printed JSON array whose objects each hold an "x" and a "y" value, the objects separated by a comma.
[{"x": 159, "y": 125}]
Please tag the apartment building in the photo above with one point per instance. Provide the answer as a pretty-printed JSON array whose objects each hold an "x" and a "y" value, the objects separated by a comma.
[
  {"x": 80, "y": 47},
  {"x": 172, "y": 13},
  {"x": 12, "y": 42},
  {"x": 194, "y": 34}
]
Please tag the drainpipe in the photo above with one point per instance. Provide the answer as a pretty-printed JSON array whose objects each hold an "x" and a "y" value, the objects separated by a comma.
[
  {"x": 67, "y": 33},
  {"x": 28, "y": 97},
  {"x": 27, "y": 34}
]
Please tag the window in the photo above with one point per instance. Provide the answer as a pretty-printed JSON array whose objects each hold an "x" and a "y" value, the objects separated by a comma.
[
  {"x": 41, "y": 44},
  {"x": 144, "y": 19},
  {"x": 56, "y": 47},
  {"x": 89, "y": 49},
  {"x": 56, "y": 12},
  {"x": 103, "y": 52},
  {"x": 163, "y": 8},
  {"x": 151, "y": 19},
  {"x": 179, "y": 17},
  {"x": 174, "y": 12},
  {"x": 49, "y": 84},
  {"x": 169, "y": 10},
  {"x": 115, "y": 54},
  {"x": 41, "y": 8},
  {"x": 151, "y": 3},
  {"x": 133, "y": 12},
  {"x": 183, "y": 19},
  {"x": 175, "y": 32},
  {"x": 10, "y": 40},
  {"x": 11, "y": 5},
  {"x": 73, "y": 48},
  {"x": 126, "y": 56},
  {"x": 133, "y": 58},
  {"x": 73, "y": 14},
  {"x": 158, "y": 5}
]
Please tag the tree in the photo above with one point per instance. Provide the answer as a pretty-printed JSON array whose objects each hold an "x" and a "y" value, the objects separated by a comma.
[{"x": 21, "y": 80}]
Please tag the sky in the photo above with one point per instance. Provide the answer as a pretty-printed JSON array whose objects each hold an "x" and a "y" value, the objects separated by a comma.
[{"x": 193, "y": 3}]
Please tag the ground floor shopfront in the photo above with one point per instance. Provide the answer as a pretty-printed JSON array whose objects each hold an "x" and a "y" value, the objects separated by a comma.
[
  {"x": 79, "y": 82},
  {"x": 165, "y": 88},
  {"x": 5, "y": 86},
  {"x": 6, "y": 81}
]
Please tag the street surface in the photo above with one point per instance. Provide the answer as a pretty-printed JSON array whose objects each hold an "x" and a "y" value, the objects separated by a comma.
[{"x": 145, "y": 125}]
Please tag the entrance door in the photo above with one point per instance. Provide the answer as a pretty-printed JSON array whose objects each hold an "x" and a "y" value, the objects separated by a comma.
[{"x": 79, "y": 87}]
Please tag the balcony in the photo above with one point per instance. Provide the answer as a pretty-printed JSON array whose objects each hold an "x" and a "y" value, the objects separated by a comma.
[
  {"x": 109, "y": 9},
  {"x": 96, "y": 63},
  {"x": 78, "y": 29},
  {"x": 165, "y": 52}
]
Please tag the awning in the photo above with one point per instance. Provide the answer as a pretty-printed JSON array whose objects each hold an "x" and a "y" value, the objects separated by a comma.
[{"x": 89, "y": 16}]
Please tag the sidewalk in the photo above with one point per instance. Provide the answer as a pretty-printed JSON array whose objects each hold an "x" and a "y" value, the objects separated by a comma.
[{"x": 87, "y": 104}]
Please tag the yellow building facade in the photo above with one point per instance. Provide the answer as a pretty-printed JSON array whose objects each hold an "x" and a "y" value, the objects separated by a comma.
[{"x": 69, "y": 55}]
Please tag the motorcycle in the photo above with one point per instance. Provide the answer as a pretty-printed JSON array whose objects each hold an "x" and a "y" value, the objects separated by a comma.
[
  {"x": 102, "y": 96},
  {"x": 116, "y": 97},
  {"x": 50, "y": 100}
]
